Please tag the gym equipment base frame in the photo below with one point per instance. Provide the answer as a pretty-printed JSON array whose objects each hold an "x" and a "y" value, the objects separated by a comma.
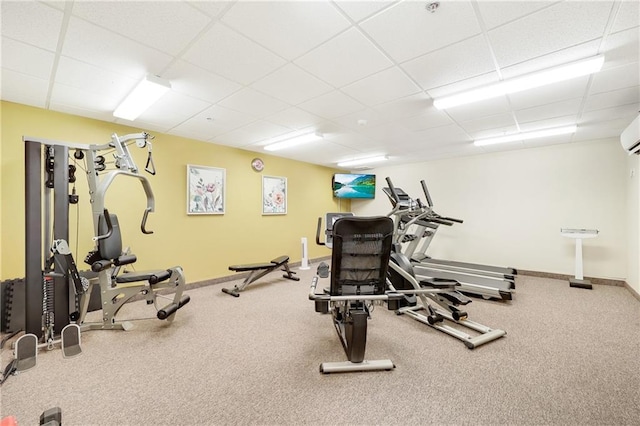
[{"x": 259, "y": 270}]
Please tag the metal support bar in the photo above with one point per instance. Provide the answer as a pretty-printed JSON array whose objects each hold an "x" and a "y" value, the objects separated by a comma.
[{"x": 33, "y": 239}]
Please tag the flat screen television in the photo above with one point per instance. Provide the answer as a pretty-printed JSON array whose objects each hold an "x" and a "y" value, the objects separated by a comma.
[{"x": 349, "y": 185}]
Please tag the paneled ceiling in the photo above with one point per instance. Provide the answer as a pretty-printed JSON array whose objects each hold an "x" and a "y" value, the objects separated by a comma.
[{"x": 362, "y": 73}]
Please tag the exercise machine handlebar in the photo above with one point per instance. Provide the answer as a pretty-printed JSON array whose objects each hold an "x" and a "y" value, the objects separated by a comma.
[
  {"x": 107, "y": 219},
  {"x": 144, "y": 221},
  {"x": 318, "y": 232}
]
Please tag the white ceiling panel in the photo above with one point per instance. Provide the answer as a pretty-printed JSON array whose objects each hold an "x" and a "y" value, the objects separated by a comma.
[
  {"x": 212, "y": 122},
  {"x": 364, "y": 73},
  {"x": 291, "y": 84},
  {"x": 32, "y": 23},
  {"x": 570, "y": 107},
  {"x": 626, "y": 96},
  {"x": 616, "y": 78},
  {"x": 355, "y": 56},
  {"x": 198, "y": 83},
  {"x": 563, "y": 25},
  {"x": 408, "y": 30},
  {"x": 172, "y": 109},
  {"x": 332, "y": 105},
  {"x": 627, "y": 16},
  {"x": 295, "y": 118},
  {"x": 496, "y": 13},
  {"x": 24, "y": 89},
  {"x": 385, "y": 86},
  {"x": 287, "y": 28},
  {"x": 26, "y": 59},
  {"x": 444, "y": 66},
  {"x": 358, "y": 10},
  {"x": 571, "y": 89},
  {"x": 231, "y": 55},
  {"x": 97, "y": 46},
  {"x": 168, "y": 26},
  {"x": 253, "y": 102}
]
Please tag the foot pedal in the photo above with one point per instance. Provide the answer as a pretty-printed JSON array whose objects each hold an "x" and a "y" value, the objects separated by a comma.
[
  {"x": 323, "y": 270},
  {"x": 71, "y": 341},
  {"x": 26, "y": 352}
]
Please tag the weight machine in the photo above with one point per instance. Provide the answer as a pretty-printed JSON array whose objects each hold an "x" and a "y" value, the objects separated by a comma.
[{"x": 52, "y": 306}]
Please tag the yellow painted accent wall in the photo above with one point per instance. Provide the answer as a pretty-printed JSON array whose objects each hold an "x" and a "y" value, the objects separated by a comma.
[{"x": 204, "y": 245}]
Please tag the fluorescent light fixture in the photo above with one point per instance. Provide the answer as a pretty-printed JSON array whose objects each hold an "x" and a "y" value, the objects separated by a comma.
[
  {"x": 362, "y": 161},
  {"x": 145, "y": 94},
  {"x": 517, "y": 137},
  {"x": 293, "y": 141},
  {"x": 526, "y": 82}
]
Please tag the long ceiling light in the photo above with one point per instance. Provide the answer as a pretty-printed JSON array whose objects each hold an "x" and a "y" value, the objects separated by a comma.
[
  {"x": 296, "y": 140},
  {"x": 145, "y": 94},
  {"x": 362, "y": 161},
  {"x": 517, "y": 137},
  {"x": 526, "y": 82}
]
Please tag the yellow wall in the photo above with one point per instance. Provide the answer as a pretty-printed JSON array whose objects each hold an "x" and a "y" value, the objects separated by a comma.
[{"x": 204, "y": 245}]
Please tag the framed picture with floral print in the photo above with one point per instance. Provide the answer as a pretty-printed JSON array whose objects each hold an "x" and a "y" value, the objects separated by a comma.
[
  {"x": 274, "y": 195},
  {"x": 205, "y": 190}
]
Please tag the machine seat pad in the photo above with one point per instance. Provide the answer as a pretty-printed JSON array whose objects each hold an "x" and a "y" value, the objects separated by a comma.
[
  {"x": 438, "y": 283},
  {"x": 132, "y": 277},
  {"x": 257, "y": 266}
]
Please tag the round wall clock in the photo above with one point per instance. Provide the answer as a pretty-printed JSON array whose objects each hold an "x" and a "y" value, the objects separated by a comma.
[{"x": 257, "y": 164}]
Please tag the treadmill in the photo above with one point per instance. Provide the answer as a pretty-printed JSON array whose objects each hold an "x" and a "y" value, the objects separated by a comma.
[{"x": 489, "y": 282}]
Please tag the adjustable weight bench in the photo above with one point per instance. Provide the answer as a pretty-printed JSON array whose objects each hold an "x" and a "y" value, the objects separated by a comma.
[{"x": 259, "y": 270}]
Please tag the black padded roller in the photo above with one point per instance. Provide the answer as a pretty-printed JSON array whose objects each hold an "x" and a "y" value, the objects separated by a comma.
[
  {"x": 101, "y": 265},
  {"x": 171, "y": 308},
  {"x": 159, "y": 277},
  {"x": 126, "y": 259}
]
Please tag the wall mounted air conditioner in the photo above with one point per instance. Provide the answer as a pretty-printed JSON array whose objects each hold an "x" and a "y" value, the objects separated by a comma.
[{"x": 630, "y": 137}]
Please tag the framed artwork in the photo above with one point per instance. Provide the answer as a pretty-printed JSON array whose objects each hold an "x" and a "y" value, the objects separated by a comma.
[
  {"x": 205, "y": 190},
  {"x": 274, "y": 195}
]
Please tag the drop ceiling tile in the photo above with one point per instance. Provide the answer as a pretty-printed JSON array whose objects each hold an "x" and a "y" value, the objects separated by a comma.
[
  {"x": 172, "y": 109},
  {"x": 626, "y": 96},
  {"x": 406, "y": 107},
  {"x": 564, "y": 24},
  {"x": 496, "y": 13},
  {"x": 354, "y": 140},
  {"x": 263, "y": 131},
  {"x": 382, "y": 87},
  {"x": 570, "y": 107},
  {"x": 292, "y": 85},
  {"x": 551, "y": 123},
  {"x": 607, "y": 114},
  {"x": 164, "y": 25},
  {"x": 442, "y": 135},
  {"x": 462, "y": 85},
  {"x": 31, "y": 22},
  {"x": 358, "y": 10},
  {"x": 552, "y": 140},
  {"x": 288, "y": 29},
  {"x": 616, "y": 78},
  {"x": 445, "y": 66},
  {"x": 389, "y": 133},
  {"x": 253, "y": 102},
  {"x": 82, "y": 112},
  {"x": 344, "y": 59},
  {"x": 82, "y": 99},
  {"x": 408, "y": 30},
  {"x": 602, "y": 129},
  {"x": 494, "y": 122},
  {"x": 109, "y": 86},
  {"x": 26, "y": 59},
  {"x": 23, "y": 89},
  {"x": 628, "y": 16},
  {"x": 94, "y": 45},
  {"x": 426, "y": 120},
  {"x": 354, "y": 121},
  {"x": 212, "y": 122},
  {"x": 199, "y": 83},
  {"x": 556, "y": 92},
  {"x": 294, "y": 118},
  {"x": 211, "y": 8},
  {"x": 332, "y": 105},
  {"x": 231, "y": 55},
  {"x": 621, "y": 48}
]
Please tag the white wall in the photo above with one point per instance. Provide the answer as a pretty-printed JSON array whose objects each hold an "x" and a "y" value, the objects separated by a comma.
[
  {"x": 514, "y": 203},
  {"x": 633, "y": 222}
]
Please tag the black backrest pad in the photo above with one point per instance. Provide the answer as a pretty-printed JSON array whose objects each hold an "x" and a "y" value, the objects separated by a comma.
[
  {"x": 109, "y": 248},
  {"x": 360, "y": 255}
]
